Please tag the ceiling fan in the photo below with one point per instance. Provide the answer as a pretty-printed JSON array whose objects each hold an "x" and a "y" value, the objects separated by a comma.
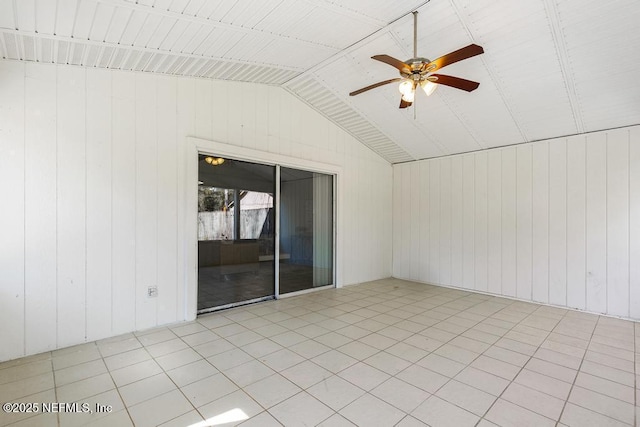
[{"x": 417, "y": 71}]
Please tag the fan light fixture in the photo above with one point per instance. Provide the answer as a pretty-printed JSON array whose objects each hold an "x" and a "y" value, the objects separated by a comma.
[
  {"x": 215, "y": 161},
  {"x": 420, "y": 71}
]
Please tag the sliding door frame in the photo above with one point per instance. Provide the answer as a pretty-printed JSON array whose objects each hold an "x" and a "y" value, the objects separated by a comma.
[{"x": 197, "y": 146}]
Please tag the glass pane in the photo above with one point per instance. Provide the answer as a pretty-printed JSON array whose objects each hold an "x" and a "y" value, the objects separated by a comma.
[
  {"x": 235, "y": 231},
  {"x": 306, "y": 230}
]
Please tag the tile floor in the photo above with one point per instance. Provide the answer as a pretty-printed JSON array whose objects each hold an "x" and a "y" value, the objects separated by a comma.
[{"x": 385, "y": 353}]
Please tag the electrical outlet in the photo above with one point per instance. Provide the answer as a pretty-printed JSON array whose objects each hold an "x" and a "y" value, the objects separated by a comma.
[{"x": 152, "y": 291}]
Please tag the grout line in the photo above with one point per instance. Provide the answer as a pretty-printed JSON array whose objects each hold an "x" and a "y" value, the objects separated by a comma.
[{"x": 578, "y": 373}]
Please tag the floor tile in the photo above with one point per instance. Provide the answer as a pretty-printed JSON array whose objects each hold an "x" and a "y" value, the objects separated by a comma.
[
  {"x": 543, "y": 383},
  {"x": 613, "y": 408},
  {"x": 289, "y": 414},
  {"x": 192, "y": 372},
  {"x": 577, "y": 416},
  {"x": 536, "y": 401},
  {"x": 209, "y": 389},
  {"x": 334, "y": 361},
  {"x": 387, "y": 362},
  {"x": 422, "y": 378},
  {"x": 441, "y": 365},
  {"x": 470, "y": 398},
  {"x": 400, "y": 394},
  {"x": 335, "y": 392},
  {"x": 235, "y": 407},
  {"x": 263, "y": 419},
  {"x": 160, "y": 409},
  {"x": 145, "y": 389},
  {"x": 272, "y": 390},
  {"x": 368, "y": 410},
  {"x": 364, "y": 376},
  {"x": 306, "y": 374},
  {"x": 84, "y": 388},
  {"x": 248, "y": 373},
  {"x": 132, "y": 373},
  {"x": 282, "y": 359},
  {"x": 437, "y": 412},
  {"x": 507, "y": 414},
  {"x": 482, "y": 381}
]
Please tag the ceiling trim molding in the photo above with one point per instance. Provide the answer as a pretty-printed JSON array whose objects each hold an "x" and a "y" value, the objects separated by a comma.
[{"x": 105, "y": 44}]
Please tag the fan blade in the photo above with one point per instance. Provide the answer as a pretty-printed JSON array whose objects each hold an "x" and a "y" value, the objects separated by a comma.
[
  {"x": 458, "y": 55},
  {"x": 393, "y": 62},
  {"x": 404, "y": 104},
  {"x": 375, "y": 85},
  {"x": 456, "y": 82}
]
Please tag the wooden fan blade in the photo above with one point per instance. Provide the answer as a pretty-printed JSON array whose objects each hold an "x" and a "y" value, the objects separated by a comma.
[
  {"x": 458, "y": 55},
  {"x": 404, "y": 104},
  {"x": 456, "y": 82},
  {"x": 375, "y": 85},
  {"x": 393, "y": 62}
]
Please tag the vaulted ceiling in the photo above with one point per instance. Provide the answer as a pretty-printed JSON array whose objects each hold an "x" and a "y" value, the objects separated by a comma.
[{"x": 551, "y": 67}]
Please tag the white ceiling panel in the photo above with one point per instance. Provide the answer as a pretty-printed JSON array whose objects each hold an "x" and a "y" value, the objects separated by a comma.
[{"x": 551, "y": 68}]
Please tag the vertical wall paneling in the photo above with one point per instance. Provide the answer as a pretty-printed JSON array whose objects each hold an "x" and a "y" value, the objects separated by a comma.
[
  {"x": 185, "y": 125},
  {"x": 123, "y": 199},
  {"x": 203, "y": 110},
  {"x": 634, "y": 222},
  {"x": 12, "y": 186},
  {"x": 509, "y": 248},
  {"x": 445, "y": 220},
  {"x": 434, "y": 222},
  {"x": 424, "y": 221},
  {"x": 562, "y": 221},
  {"x": 576, "y": 224},
  {"x": 414, "y": 212},
  {"x": 167, "y": 197},
  {"x": 558, "y": 222},
  {"x": 468, "y": 222},
  {"x": 494, "y": 221},
  {"x": 524, "y": 221},
  {"x": 40, "y": 209},
  {"x": 405, "y": 191},
  {"x": 618, "y": 222},
  {"x": 540, "y": 218},
  {"x": 146, "y": 200},
  {"x": 481, "y": 222},
  {"x": 262, "y": 120},
  {"x": 97, "y": 176},
  {"x": 397, "y": 223},
  {"x": 456, "y": 221},
  {"x": 597, "y": 222},
  {"x": 219, "y": 109},
  {"x": 71, "y": 206},
  {"x": 98, "y": 170}
]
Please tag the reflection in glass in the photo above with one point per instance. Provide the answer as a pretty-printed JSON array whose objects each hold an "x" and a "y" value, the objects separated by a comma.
[
  {"x": 306, "y": 230},
  {"x": 236, "y": 232}
]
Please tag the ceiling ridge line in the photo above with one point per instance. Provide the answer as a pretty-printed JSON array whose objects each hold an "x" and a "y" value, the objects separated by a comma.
[
  {"x": 212, "y": 23},
  {"x": 562, "y": 54},
  {"x": 355, "y": 45},
  {"x": 490, "y": 70},
  {"x": 141, "y": 49}
]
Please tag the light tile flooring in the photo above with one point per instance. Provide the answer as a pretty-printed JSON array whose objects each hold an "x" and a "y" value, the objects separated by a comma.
[{"x": 383, "y": 353}]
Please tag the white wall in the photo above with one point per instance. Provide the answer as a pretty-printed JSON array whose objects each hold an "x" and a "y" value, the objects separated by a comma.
[
  {"x": 555, "y": 221},
  {"x": 93, "y": 177}
]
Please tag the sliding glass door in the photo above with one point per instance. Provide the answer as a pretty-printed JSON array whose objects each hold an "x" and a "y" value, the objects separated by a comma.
[
  {"x": 306, "y": 230},
  {"x": 237, "y": 231}
]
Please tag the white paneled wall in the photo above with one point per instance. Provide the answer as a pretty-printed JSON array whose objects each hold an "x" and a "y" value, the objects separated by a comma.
[
  {"x": 92, "y": 178},
  {"x": 555, "y": 221}
]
